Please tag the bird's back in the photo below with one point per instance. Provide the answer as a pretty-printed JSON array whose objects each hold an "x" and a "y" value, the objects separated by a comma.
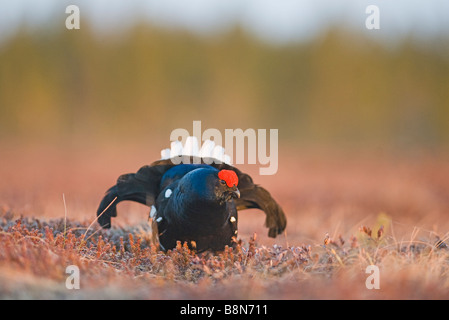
[{"x": 177, "y": 172}]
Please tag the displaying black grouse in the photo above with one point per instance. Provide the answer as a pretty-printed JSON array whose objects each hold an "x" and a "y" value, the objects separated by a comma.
[{"x": 195, "y": 203}]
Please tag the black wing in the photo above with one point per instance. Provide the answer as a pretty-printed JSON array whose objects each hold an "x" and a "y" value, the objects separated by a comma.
[
  {"x": 144, "y": 187},
  {"x": 253, "y": 196}
]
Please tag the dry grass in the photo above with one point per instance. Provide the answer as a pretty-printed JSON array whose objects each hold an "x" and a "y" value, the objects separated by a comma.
[
  {"x": 336, "y": 228},
  {"x": 123, "y": 263}
]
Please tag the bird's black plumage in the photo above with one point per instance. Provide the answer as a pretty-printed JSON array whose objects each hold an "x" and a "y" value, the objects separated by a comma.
[{"x": 192, "y": 203}]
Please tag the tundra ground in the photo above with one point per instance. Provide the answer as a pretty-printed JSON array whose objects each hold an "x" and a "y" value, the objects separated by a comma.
[{"x": 345, "y": 212}]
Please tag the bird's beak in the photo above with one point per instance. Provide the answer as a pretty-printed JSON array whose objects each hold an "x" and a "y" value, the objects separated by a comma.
[
  {"x": 236, "y": 193},
  {"x": 231, "y": 193}
]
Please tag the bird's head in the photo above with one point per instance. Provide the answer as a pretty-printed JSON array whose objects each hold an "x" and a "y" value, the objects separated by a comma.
[
  {"x": 209, "y": 184},
  {"x": 226, "y": 189}
]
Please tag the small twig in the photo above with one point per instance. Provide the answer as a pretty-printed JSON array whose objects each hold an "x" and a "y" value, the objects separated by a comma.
[
  {"x": 93, "y": 234},
  {"x": 65, "y": 219},
  {"x": 95, "y": 220}
]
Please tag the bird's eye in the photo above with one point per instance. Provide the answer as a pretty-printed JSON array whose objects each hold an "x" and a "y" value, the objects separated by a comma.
[{"x": 222, "y": 182}]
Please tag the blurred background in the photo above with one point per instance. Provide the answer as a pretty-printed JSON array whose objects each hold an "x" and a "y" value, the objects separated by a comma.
[{"x": 363, "y": 115}]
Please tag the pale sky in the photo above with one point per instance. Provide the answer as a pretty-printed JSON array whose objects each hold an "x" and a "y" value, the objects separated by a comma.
[{"x": 272, "y": 20}]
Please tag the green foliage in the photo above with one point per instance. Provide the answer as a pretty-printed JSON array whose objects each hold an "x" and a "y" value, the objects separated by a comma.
[{"x": 337, "y": 88}]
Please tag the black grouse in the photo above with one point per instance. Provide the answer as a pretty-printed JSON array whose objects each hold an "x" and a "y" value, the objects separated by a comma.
[{"x": 193, "y": 200}]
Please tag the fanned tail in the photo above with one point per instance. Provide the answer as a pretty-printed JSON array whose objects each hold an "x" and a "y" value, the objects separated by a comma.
[{"x": 191, "y": 148}]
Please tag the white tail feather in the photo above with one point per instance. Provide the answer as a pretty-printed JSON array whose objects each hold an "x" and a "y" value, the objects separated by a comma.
[
  {"x": 227, "y": 159},
  {"x": 191, "y": 148},
  {"x": 176, "y": 149},
  {"x": 165, "y": 154},
  {"x": 218, "y": 153},
  {"x": 207, "y": 149}
]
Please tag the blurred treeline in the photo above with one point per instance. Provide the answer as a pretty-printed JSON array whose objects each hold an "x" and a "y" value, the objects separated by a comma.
[{"x": 146, "y": 81}]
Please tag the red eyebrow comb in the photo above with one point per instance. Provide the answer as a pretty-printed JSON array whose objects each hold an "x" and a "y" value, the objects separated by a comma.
[{"x": 229, "y": 176}]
